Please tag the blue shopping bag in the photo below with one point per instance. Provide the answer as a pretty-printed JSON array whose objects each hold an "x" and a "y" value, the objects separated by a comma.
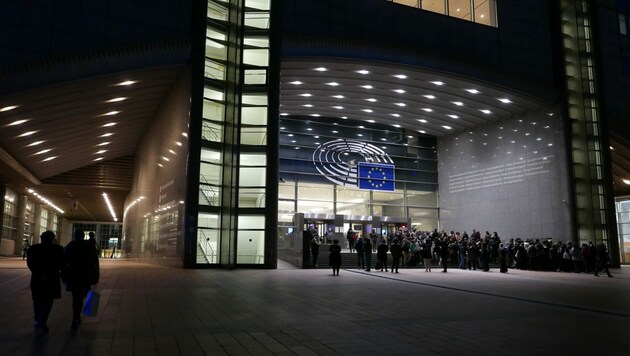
[{"x": 91, "y": 304}]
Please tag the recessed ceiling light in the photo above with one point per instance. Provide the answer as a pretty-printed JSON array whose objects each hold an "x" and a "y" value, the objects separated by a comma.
[
  {"x": 458, "y": 103},
  {"x": 400, "y": 104},
  {"x": 296, "y": 82},
  {"x": 43, "y": 151},
  {"x": 335, "y": 131},
  {"x": 111, "y": 113},
  {"x": 370, "y": 121},
  {"x": 35, "y": 143},
  {"x": 106, "y": 134},
  {"x": 400, "y": 91},
  {"x": 422, "y": 121},
  {"x": 7, "y": 108},
  {"x": 367, "y": 86},
  {"x": 284, "y": 114},
  {"x": 422, "y": 131},
  {"x": 332, "y": 84},
  {"x": 486, "y": 111},
  {"x": 103, "y": 143},
  {"x": 17, "y": 122},
  {"x": 338, "y": 107},
  {"x": 100, "y": 152},
  {"x": 482, "y": 16},
  {"x": 367, "y": 110},
  {"x": 453, "y": 116},
  {"x": 98, "y": 159},
  {"x": 429, "y": 96},
  {"x": 611, "y": 147},
  {"x": 504, "y": 100},
  {"x": 115, "y": 100},
  {"x": 626, "y": 181},
  {"x": 447, "y": 127},
  {"x": 338, "y": 96},
  {"x": 109, "y": 124},
  {"x": 383, "y": 139},
  {"x": 290, "y": 135},
  {"x": 293, "y": 141},
  {"x": 315, "y": 115},
  {"x": 308, "y": 105},
  {"x": 395, "y": 115},
  {"x": 320, "y": 69},
  {"x": 306, "y": 95},
  {"x": 127, "y": 82},
  {"x": 427, "y": 109},
  {"x": 396, "y": 125},
  {"x": 160, "y": 165},
  {"x": 49, "y": 159},
  {"x": 363, "y": 71},
  {"x": 371, "y": 100},
  {"x": 400, "y": 76},
  {"x": 437, "y": 82},
  {"x": 344, "y": 117},
  {"x": 550, "y": 144},
  {"x": 178, "y": 143},
  {"x": 473, "y": 91},
  {"x": 27, "y": 134}
]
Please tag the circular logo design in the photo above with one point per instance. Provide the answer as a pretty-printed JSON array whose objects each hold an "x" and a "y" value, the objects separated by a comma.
[{"x": 339, "y": 160}]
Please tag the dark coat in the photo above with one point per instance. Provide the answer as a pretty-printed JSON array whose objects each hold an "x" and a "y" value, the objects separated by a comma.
[
  {"x": 45, "y": 262},
  {"x": 334, "y": 258},
  {"x": 82, "y": 268},
  {"x": 381, "y": 252}
]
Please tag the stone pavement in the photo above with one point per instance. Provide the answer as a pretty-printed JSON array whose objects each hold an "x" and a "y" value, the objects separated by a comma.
[{"x": 153, "y": 310}]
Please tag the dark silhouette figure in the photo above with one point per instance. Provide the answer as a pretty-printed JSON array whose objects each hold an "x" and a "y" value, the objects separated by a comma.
[
  {"x": 396, "y": 251},
  {"x": 314, "y": 250},
  {"x": 358, "y": 247},
  {"x": 334, "y": 258},
  {"x": 45, "y": 260},
  {"x": 367, "y": 251},
  {"x": 25, "y": 246},
  {"x": 602, "y": 260},
  {"x": 381, "y": 254},
  {"x": 82, "y": 271}
]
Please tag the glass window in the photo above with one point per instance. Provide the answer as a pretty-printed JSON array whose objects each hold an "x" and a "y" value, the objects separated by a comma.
[
  {"x": 207, "y": 245},
  {"x": 315, "y": 207},
  {"x": 421, "y": 198},
  {"x": 257, "y": 19},
  {"x": 211, "y": 131},
  {"x": 214, "y": 70},
  {"x": 256, "y": 115},
  {"x": 255, "y": 99},
  {"x": 255, "y": 76},
  {"x": 413, "y": 3},
  {"x": 250, "y": 245},
  {"x": 210, "y": 174},
  {"x": 389, "y": 198},
  {"x": 321, "y": 192},
  {"x": 258, "y": 4},
  {"x": 261, "y": 42},
  {"x": 438, "y": 6},
  {"x": 460, "y": 9},
  {"x": 253, "y": 160},
  {"x": 215, "y": 34},
  {"x": 215, "y": 50},
  {"x": 217, "y": 12},
  {"x": 286, "y": 206},
  {"x": 485, "y": 12},
  {"x": 256, "y": 57},
  {"x": 351, "y": 208},
  {"x": 251, "y": 197},
  {"x": 255, "y": 136},
  {"x": 209, "y": 195},
  {"x": 213, "y": 110},
  {"x": 623, "y": 24},
  {"x": 286, "y": 191},
  {"x": 252, "y": 176},
  {"x": 212, "y": 156},
  {"x": 214, "y": 94},
  {"x": 352, "y": 195}
]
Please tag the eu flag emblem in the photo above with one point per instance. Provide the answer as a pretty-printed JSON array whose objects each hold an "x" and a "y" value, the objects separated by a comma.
[{"x": 375, "y": 176}]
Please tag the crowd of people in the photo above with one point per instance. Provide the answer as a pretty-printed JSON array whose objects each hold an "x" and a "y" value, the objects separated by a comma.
[{"x": 477, "y": 251}]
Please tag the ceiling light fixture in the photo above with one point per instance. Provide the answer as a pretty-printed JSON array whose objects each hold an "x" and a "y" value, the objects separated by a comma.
[
  {"x": 504, "y": 100},
  {"x": 109, "y": 205},
  {"x": 447, "y": 127},
  {"x": 100, "y": 152},
  {"x": 400, "y": 104},
  {"x": 308, "y": 105},
  {"x": 106, "y": 134},
  {"x": 400, "y": 91},
  {"x": 458, "y": 103},
  {"x": 35, "y": 143},
  {"x": 27, "y": 134},
  {"x": 7, "y": 108},
  {"x": 333, "y": 84},
  {"x": 371, "y": 100},
  {"x": 111, "y": 113},
  {"x": 396, "y": 125},
  {"x": 362, "y": 71},
  {"x": 98, "y": 159},
  {"x": 320, "y": 69},
  {"x": 103, "y": 144},
  {"x": 367, "y": 110},
  {"x": 429, "y": 96},
  {"x": 17, "y": 122},
  {"x": 338, "y": 107},
  {"x": 453, "y": 116},
  {"x": 284, "y": 114},
  {"x": 473, "y": 91},
  {"x": 306, "y": 95},
  {"x": 367, "y": 86},
  {"x": 422, "y": 131},
  {"x": 627, "y": 181},
  {"x": 427, "y": 109},
  {"x": 296, "y": 82},
  {"x": 45, "y": 200},
  {"x": 115, "y": 100},
  {"x": 437, "y": 82},
  {"x": 315, "y": 115},
  {"x": 395, "y": 115},
  {"x": 127, "y": 82},
  {"x": 109, "y": 124},
  {"x": 422, "y": 121},
  {"x": 370, "y": 121},
  {"x": 338, "y": 96},
  {"x": 486, "y": 111},
  {"x": 400, "y": 76},
  {"x": 43, "y": 151},
  {"x": 49, "y": 159}
]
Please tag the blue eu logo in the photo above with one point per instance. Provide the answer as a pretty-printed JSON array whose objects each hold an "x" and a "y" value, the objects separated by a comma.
[{"x": 375, "y": 176}]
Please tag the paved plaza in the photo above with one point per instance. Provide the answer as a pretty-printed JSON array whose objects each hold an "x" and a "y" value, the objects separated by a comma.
[{"x": 152, "y": 310}]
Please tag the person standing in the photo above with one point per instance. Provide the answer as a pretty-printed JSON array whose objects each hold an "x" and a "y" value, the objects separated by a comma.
[
  {"x": 45, "y": 261},
  {"x": 396, "y": 251},
  {"x": 444, "y": 253},
  {"x": 358, "y": 247},
  {"x": 25, "y": 246},
  {"x": 381, "y": 254},
  {"x": 367, "y": 250},
  {"x": 503, "y": 258},
  {"x": 374, "y": 240},
  {"x": 334, "y": 257},
  {"x": 350, "y": 238},
  {"x": 314, "y": 250},
  {"x": 81, "y": 272}
]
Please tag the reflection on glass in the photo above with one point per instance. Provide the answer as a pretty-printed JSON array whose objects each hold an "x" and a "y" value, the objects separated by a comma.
[{"x": 250, "y": 246}]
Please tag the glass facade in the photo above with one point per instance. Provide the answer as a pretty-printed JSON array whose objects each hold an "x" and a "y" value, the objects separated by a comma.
[
  {"x": 10, "y": 216},
  {"x": 480, "y": 11},
  {"x": 233, "y": 168},
  {"x": 622, "y": 207}
]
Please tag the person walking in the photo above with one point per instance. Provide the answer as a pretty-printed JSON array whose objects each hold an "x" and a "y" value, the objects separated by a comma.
[
  {"x": 45, "y": 261},
  {"x": 81, "y": 272},
  {"x": 602, "y": 260},
  {"x": 334, "y": 257},
  {"x": 350, "y": 238},
  {"x": 314, "y": 250},
  {"x": 367, "y": 250},
  {"x": 25, "y": 246}
]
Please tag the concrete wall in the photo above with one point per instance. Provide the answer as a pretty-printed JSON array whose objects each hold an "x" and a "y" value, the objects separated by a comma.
[
  {"x": 159, "y": 182},
  {"x": 510, "y": 178}
]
